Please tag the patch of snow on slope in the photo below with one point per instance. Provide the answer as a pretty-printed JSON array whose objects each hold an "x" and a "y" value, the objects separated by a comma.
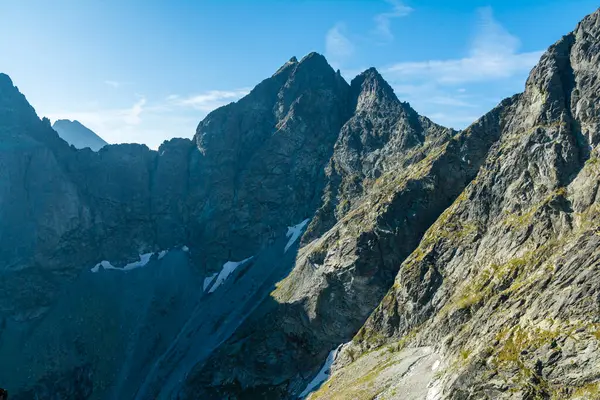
[
  {"x": 104, "y": 264},
  {"x": 185, "y": 248},
  {"x": 294, "y": 233},
  {"x": 144, "y": 259},
  {"x": 227, "y": 270},
  {"x": 323, "y": 373},
  {"x": 162, "y": 253},
  {"x": 208, "y": 280}
]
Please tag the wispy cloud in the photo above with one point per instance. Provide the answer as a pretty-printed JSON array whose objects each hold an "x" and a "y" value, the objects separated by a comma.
[
  {"x": 338, "y": 47},
  {"x": 208, "y": 101},
  {"x": 493, "y": 55},
  {"x": 383, "y": 21},
  {"x": 451, "y": 101},
  {"x": 152, "y": 122},
  {"x": 107, "y": 122},
  {"x": 430, "y": 94},
  {"x": 116, "y": 84},
  {"x": 453, "y": 120},
  {"x": 132, "y": 116},
  {"x": 453, "y": 92}
]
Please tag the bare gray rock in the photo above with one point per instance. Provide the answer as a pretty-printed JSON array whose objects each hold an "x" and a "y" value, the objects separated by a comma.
[{"x": 504, "y": 284}]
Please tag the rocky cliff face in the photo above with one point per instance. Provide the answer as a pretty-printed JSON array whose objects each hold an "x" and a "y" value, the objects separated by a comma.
[
  {"x": 308, "y": 215},
  {"x": 503, "y": 287},
  {"x": 342, "y": 275},
  {"x": 260, "y": 160}
]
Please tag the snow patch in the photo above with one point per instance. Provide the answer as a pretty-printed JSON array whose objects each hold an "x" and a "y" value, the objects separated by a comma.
[
  {"x": 144, "y": 259},
  {"x": 162, "y": 254},
  {"x": 294, "y": 233},
  {"x": 323, "y": 374},
  {"x": 227, "y": 270},
  {"x": 185, "y": 248},
  {"x": 208, "y": 280},
  {"x": 104, "y": 264},
  {"x": 435, "y": 365}
]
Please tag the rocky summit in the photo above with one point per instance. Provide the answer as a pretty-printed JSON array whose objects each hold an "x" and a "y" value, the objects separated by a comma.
[{"x": 316, "y": 239}]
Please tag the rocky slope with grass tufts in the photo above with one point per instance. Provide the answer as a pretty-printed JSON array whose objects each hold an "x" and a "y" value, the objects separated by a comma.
[{"x": 504, "y": 287}]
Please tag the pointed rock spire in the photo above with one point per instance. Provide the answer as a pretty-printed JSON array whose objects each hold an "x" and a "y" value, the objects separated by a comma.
[{"x": 369, "y": 87}]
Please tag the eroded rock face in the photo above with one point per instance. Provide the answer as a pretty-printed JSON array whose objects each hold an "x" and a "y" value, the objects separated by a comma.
[
  {"x": 505, "y": 283},
  {"x": 261, "y": 160},
  {"x": 341, "y": 276}
]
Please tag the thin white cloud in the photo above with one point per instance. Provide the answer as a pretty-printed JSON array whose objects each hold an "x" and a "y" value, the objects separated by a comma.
[
  {"x": 208, "y": 101},
  {"x": 450, "y": 101},
  {"x": 132, "y": 116},
  {"x": 452, "y": 120},
  {"x": 493, "y": 55},
  {"x": 431, "y": 94},
  {"x": 114, "y": 84},
  {"x": 338, "y": 47},
  {"x": 105, "y": 121},
  {"x": 383, "y": 21},
  {"x": 454, "y": 92},
  {"x": 151, "y": 123}
]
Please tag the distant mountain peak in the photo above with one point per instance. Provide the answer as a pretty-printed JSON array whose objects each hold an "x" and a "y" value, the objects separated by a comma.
[
  {"x": 5, "y": 80},
  {"x": 77, "y": 134}
]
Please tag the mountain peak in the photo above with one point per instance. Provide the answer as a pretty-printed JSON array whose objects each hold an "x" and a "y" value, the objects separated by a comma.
[
  {"x": 312, "y": 54},
  {"x": 5, "y": 80},
  {"x": 314, "y": 61},
  {"x": 369, "y": 86},
  {"x": 77, "y": 134},
  {"x": 67, "y": 121},
  {"x": 289, "y": 64}
]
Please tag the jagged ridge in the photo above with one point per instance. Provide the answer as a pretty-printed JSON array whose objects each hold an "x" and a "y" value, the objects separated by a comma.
[{"x": 503, "y": 287}]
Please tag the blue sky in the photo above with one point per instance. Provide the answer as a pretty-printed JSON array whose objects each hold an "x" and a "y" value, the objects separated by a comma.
[{"x": 146, "y": 71}]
